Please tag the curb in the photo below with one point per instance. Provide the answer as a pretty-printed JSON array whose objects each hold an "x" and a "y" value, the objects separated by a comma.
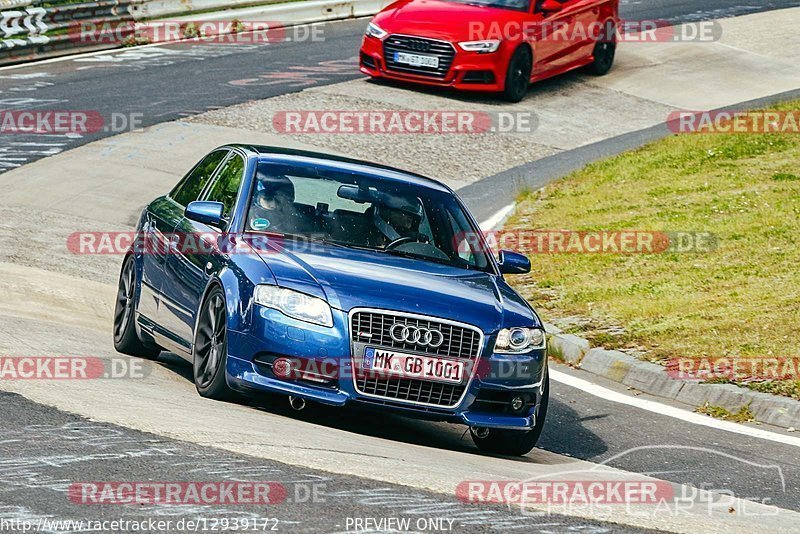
[{"x": 653, "y": 379}]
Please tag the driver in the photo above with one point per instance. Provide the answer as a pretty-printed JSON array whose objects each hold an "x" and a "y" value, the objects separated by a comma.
[{"x": 399, "y": 218}]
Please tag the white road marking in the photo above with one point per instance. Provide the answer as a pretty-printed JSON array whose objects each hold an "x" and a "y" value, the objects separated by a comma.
[
  {"x": 497, "y": 218},
  {"x": 670, "y": 411},
  {"x": 644, "y": 404}
]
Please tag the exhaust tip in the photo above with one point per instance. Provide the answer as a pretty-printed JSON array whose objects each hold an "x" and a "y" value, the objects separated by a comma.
[
  {"x": 297, "y": 403},
  {"x": 480, "y": 432}
]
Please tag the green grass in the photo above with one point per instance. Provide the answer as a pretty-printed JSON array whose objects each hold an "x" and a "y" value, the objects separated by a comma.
[
  {"x": 742, "y": 299},
  {"x": 744, "y": 415}
]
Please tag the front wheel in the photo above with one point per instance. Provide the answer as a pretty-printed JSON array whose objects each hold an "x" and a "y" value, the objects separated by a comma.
[
  {"x": 210, "y": 349},
  {"x": 126, "y": 340},
  {"x": 515, "y": 442},
  {"x": 518, "y": 77},
  {"x": 604, "y": 53}
]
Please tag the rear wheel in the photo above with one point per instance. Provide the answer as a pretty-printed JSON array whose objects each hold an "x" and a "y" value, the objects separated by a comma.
[
  {"x": 210, "y": 350},
  {"x": 518, "y": 77},
  {"x": 514, "y": 442},
  {"x": 126, "y": 340}
]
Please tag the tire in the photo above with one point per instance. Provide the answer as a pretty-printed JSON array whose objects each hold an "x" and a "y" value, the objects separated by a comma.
[
  {"x": 210, "y": 349},
  {"x": 518, "y": 77},
  {"x": 604, "y": 53},
  {"x": 515, "y": 442},
  {"x": 126, "y": 340}
]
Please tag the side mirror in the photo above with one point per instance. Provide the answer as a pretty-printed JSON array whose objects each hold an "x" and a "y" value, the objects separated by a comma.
[
  {"x": 209, "y": 213},
  {"x": 514, "y": 263},
  {"x": 551, "y": 6}
]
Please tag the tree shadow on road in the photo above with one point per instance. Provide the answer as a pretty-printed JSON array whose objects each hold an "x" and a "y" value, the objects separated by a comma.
[
  {"x": 550, "y": 86},
  {"x": 563, "y": 433},
  {"x": 566, "y": 434}
]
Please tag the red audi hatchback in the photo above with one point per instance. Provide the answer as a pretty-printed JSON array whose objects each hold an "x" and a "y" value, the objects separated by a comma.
[{"x": 489, "y": 45}]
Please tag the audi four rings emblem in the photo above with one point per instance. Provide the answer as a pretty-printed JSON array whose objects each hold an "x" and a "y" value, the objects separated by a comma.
[{"x": 415, "y": 335}]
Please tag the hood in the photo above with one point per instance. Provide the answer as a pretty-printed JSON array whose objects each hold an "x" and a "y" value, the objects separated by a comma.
[
  {"x": 349, "y": 279},
  {"x": 448, "y": 21}
]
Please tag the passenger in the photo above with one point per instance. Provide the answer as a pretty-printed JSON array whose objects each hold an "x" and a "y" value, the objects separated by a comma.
[{"x": 273, "y": 205}]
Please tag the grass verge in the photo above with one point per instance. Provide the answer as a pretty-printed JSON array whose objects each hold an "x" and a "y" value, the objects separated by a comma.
[
  {"x": 744, "y": 415},
  {"x": 741, "y": 300}
]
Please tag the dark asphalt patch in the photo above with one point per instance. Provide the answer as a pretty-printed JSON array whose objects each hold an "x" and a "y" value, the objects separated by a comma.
[{"x": 44, "y": 451}]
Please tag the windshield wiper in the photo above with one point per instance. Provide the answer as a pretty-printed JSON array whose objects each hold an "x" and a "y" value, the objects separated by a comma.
[
  {"x": 295, "y": 237},
  {"x": 342, "y": 244},
  {"x": 412, "y": 256}
]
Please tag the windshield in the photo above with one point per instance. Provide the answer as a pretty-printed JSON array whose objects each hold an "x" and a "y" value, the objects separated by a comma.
[
  {"x": 516, "y": 5},
  {"x": 364, "y": 212}
]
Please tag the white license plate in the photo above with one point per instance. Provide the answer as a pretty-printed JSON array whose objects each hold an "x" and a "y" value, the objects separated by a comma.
[
  {"x": 413, "y": 365},
  {"x": 416, "y": 61}
]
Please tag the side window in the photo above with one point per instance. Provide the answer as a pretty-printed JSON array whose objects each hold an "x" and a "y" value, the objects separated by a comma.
[
  {"x": 189, "y": 189},
  {"x": 226, "y": 187},
  {"x": 467, "y": 244}
]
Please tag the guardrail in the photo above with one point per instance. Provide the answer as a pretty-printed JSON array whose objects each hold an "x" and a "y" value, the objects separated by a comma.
[
  {"x": 31, "y": 31},
  {"x": 37, "y": 29}
]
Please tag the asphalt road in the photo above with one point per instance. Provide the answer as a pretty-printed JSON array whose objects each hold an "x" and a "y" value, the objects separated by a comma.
[
  {"x": 44, "y": 453},
  {"x": 139, "y": 87}
]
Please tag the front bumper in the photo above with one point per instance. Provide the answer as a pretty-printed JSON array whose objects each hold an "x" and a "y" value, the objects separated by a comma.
[
  {"x": 326, "y": 354},
  {"x": 470, "y": 71}
]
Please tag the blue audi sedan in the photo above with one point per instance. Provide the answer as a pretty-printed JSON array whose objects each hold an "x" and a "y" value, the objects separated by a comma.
[{"x": 335, "y": 281}]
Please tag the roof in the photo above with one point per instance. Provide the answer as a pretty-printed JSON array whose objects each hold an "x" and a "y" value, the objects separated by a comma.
[{"x": 366, "y": 166}]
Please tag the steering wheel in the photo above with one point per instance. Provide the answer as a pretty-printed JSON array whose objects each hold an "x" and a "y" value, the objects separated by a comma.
[{"x": 401, "y": 241}]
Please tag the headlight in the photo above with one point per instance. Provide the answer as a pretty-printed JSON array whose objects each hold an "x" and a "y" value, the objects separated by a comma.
[
  {"x": 484, "y": 47},
  {"x": 295, "y": 304},
  {"x": 373, "y": 30},
  {"x": 519, "y": 340}
]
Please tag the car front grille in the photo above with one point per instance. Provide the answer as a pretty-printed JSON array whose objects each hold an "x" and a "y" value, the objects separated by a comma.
[
  {"x": 417, "y": 391},
  {"x": 420, "y": 46},
  {"x": 372, "y": 328}
]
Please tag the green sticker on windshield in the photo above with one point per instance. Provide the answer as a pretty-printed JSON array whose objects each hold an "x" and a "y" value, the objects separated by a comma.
[{"x": 260, "y": 224}]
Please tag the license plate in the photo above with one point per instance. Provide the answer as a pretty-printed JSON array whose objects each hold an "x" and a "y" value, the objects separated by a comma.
[
  {"x": 413, "y": 365},
  {"x": 416, "y": 61}
]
